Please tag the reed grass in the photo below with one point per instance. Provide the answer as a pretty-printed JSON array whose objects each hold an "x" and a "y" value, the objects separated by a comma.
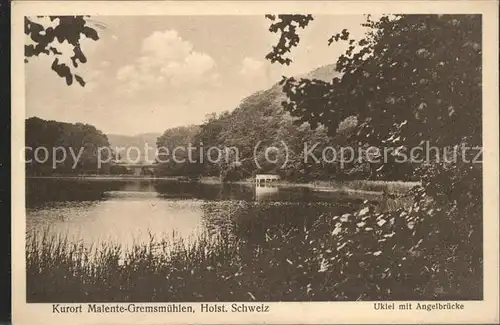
[{"x": 300, "y": 263}]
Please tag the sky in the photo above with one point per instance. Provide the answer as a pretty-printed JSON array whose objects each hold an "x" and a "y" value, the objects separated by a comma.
[{"x": 150, "y": 73}]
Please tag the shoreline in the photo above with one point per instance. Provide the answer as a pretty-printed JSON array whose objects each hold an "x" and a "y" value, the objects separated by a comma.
[{"x": 351, "y": 186}]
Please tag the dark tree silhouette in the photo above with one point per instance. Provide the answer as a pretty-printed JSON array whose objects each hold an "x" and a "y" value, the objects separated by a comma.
[
  {"x": 287, "y": 26},
  {"x": 411, "y": 80},
  {"x": 76, "y": 137},
  {"x": 69, "y": 29}
]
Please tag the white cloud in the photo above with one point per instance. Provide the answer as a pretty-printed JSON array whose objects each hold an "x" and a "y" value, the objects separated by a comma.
[
  {"x": 125, "y": 73},
  {"x": 252, "y": 68},
  {"x": 167, "y": 45},
  {"x": 92, "y": 79},
  {"x": 168, "y": 60},
  {"x": 201, "y": 62},
  {"x": 255, "y": 75}
]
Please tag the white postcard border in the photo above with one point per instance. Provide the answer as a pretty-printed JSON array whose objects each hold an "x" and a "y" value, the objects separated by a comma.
[{"x": 280, "y": 313}]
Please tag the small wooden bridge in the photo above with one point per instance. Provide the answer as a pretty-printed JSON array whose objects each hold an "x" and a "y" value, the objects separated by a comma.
[{"x": 140, "y": 169}]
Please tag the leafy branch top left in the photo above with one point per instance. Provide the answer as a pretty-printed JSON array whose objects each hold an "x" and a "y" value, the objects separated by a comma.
[{"x": 70, "y": 29}]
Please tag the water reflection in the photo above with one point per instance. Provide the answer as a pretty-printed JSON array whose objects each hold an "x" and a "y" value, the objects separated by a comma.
[
  {"x": 266, "y": 192},
  {"x": 130, "y": 211}
]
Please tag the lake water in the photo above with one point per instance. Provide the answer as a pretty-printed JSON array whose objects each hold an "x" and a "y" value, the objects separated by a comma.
[{"x": 130, "y": 211}]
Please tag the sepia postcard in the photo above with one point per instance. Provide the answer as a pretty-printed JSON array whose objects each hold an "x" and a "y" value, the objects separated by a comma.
[{"x": 255, "y": 162}]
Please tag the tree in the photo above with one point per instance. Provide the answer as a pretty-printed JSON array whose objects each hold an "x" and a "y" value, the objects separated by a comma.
[
  {"x": 80, "y": 140},
  {"x": 287, "y": 26},
  {"x": 69, "y": 29},
  {"x": 174, "y": 156},
  {"x": 412, "y": 80}
]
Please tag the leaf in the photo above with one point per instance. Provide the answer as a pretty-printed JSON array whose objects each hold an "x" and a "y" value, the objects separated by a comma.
[
  {"x": 80, "y": 80},
  {"x": 389, "y": 235},
  {"x": 251, "y": 295},
  {"x": 363, "y": 211},
  {"x": 69, "y": 79},
  {"x": 341, "y": 246},
  {"x": 345, "y": 217},
  {"x": 90, "y": 33}
]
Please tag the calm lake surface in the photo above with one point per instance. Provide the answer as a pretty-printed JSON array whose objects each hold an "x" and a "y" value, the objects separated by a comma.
[{"x": 128, "y": 212}]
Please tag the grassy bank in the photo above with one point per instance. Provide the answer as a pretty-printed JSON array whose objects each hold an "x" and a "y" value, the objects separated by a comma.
[
  {"x": 362, "y": 256},
  {"x": 390, "y": 187}
]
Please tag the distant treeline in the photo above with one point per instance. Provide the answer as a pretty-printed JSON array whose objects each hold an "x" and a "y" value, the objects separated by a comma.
[
  {"x": 47, "y": 143},
  {"x": 259, "y": 121},
  {"x": 261, "y": 118}
]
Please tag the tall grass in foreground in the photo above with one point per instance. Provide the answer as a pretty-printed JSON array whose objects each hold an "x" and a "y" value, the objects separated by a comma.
[{"x": 366, "y": 255}]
